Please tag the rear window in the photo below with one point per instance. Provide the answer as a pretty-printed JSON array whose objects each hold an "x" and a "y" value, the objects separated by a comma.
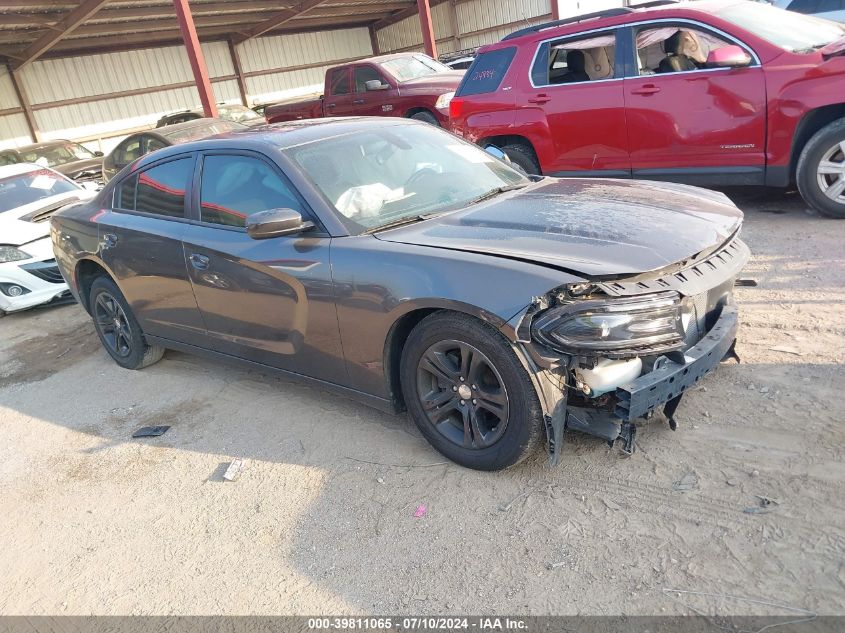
[{"x": 486, "y": 73}]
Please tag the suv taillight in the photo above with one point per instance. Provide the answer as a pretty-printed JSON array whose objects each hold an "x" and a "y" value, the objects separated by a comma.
[{"x": 456, "y": 107}]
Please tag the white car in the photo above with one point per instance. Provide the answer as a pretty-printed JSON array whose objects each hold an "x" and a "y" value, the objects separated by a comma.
[
  {"x": 829, "y": 9},
  {"x": 29, "y": 195}
]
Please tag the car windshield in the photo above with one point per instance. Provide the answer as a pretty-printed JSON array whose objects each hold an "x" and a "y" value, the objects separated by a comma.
[
  {"x": 382, "y": 176},
  {"x": 413, "y": 67},
  {"x": 31, "y": 186},
  {"x": 791, "y": 31},
  {"x": 52, "y": 155},
  {"x": 237, "y": 113}
]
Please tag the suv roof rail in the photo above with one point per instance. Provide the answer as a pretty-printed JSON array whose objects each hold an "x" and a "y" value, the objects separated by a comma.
[
  {"x": 653, "y": 3},
  {"x": 609, "y": 13}
]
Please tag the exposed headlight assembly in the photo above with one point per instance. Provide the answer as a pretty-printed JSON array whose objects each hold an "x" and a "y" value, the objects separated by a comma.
[
  {"x": 605, "y": 326},
  {"x": 444, "y": 100},
  {"x": 12, "y": 254}
]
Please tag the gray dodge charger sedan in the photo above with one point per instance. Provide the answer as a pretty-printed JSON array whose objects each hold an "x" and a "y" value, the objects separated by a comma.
[{"x": 389, "y": 261}]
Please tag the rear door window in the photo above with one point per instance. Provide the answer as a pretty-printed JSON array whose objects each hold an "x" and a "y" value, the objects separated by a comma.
[
  {"x": 487, "y": 72},
  {"x": 128, "y": 151},
  {"x": 159, "y": 190},
  {"x": 572, "y": 61}
]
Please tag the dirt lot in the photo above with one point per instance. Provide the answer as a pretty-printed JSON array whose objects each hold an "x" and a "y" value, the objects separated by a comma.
[{"x": 321, "y": 519}]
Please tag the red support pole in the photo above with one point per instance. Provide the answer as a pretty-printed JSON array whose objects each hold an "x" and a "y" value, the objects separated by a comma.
[
  {"x": 195, "y": 57},
  {"x": 427, "y": 30},
  {"x": 555, "y": 10}
]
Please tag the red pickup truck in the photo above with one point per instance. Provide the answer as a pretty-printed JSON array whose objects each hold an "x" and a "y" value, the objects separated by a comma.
[
  {"x": 403, "y": 84},
  {"x": 714, "y": 93}
]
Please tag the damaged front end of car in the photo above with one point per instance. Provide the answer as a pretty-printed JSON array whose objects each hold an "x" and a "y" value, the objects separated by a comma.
[{"x": 606, "y": 353}]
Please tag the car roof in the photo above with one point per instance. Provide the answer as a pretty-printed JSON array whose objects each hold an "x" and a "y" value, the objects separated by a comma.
[
  {"x": 282, "y": 135},
  {"x": 19, "y": 168},
  {"x": 170, "y": 130},
  {"x": 43, "y": 145},
  {"x": 619, "y": 17}
]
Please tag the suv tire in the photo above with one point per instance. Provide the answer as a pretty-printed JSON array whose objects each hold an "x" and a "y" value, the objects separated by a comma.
[
  {"x": 523, "y": 157},
  {"x": 821, "y": 169},
  {"x": 468, "y": 393},
  {"x": 118, "y": 329}
]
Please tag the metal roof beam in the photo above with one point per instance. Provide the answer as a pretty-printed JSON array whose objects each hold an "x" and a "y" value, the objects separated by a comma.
[
  {"x": 279, "y": 19},
  {"x": 65, "y": 26}
]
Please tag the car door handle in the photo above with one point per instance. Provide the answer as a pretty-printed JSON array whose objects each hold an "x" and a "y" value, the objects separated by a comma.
[
  {"x": 109, "y": 240},
  {"x": 540, "y": 99},
  {"x": 648, "y": 89},
  {"x": 331, "y": 105},
  {"x": 200, "y": 262}
]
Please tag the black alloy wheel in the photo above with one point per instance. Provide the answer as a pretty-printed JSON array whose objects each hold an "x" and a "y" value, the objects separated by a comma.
[
  {"x": 113, "y": 325},
  {"x": 468, "y": 393},
  {"x": 462, "y": 394},
  {"x": 118, "y": 328}
]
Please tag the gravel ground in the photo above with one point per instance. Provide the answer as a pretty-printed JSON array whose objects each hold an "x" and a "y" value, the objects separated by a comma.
[{"x": 321, "y": 519}]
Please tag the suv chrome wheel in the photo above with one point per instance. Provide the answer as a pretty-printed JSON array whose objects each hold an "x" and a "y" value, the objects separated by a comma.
[{"x": 831, "y": 173}]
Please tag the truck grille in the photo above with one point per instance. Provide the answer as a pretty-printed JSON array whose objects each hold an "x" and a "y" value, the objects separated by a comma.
[{"x": 46, "y": 270}]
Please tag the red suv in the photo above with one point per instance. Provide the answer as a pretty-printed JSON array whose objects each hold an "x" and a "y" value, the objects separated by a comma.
[{"x": 715, "y": 93}]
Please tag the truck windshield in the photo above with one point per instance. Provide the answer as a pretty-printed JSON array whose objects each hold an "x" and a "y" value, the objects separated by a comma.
[
  {"x": 31, "y": 186},
  {"x": 791, "y": 31},
  {"x": 413, "y": 67},
  {"x": 383, "y": 175}
]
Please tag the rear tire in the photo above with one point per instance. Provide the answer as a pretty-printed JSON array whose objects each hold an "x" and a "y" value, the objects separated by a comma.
[
  {"x": 821, "y": 171},
  {"x": 119, "y": 331},
  {"x": 426, "y": 117},
  {"x": 523, "y": 157},
  {"x": 489, "y": 418}
]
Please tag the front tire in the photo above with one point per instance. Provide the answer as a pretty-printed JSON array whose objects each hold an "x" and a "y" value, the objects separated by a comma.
[
  {"x": 821, "y": 171},
  {"x": 426, "y": 117},
  {"x": 118, "y": 329},
  {"x": 468, "y": 393}
]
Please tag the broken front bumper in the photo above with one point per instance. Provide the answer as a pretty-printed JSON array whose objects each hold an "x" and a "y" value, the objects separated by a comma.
[{"x": 660, "y": 386}]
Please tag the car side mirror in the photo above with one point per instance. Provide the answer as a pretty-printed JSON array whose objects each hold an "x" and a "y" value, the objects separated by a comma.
[
  {"x": 375, "y": 84},
  {"x": 275, "y": 223},
  {"x": 732, "y": 56},
  {"x": 98, "y": 154},
  {"x": 498, "y": 152}
]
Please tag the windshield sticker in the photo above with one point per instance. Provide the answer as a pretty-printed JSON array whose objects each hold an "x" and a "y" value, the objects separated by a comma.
[{"x": 42, "y": 181}]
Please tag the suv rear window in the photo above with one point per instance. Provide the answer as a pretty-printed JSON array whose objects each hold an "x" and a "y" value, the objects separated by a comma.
[{"x": 487, "y": 71}]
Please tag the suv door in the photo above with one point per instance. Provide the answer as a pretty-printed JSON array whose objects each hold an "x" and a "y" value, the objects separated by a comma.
[
  {"x": 270, "y": 301},
  {"x": 141, "y": 243},
  {"x": 575, "y": 85},
  {"x": 687, "y": 121}
]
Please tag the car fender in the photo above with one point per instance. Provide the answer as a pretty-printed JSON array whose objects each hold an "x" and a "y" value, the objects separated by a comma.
[
  {"x": 793, "y": 97},
  {"x": 415, "y": 280}
]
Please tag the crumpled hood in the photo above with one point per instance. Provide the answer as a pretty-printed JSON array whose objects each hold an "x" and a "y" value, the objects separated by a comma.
[
  {"x": 445, "y": 81},
  {"x": 76, "y": 168},
  {"x": 595, "y": 228},
  {"x": 31, "y": 221}
]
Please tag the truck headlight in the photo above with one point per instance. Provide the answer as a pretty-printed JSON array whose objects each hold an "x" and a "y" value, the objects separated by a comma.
[
  {"x": 12, "y": 254},
  {"x": 444, "y": 100},
  {"x": 613, "y": 324}
]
